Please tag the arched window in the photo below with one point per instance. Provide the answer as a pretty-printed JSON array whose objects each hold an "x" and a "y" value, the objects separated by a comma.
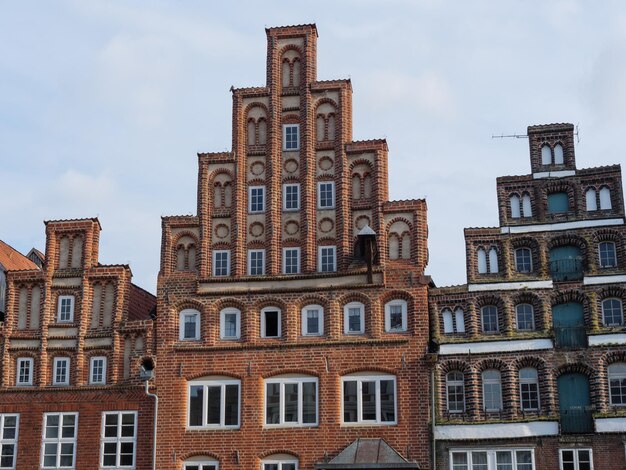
[
  {"x": 524, "y": 317},
  {"x": 396, "y": 316},
  {"x": 313, "y": 320},
  {"x": 482, "y": 261},
  {"x": 492, "y": 390},
  {"x": 558, "y": 154},
  {"x": 22, "y": 309},
  {"x": 493, "y": 260},
  {"x": 251, "y": 132},
  {"x": 489, "y": 319},
  {"x": 369, "y": 398},
  {"x": 270, "y": 322},
  {"x": 529, "y": 389},
  {"x": 605, "y": 198},
  {"x": 617, "y": 384},
  {"x": 448, "y": 326},
  {"x": 279, "y": 462},
  {"x": 523, "y": 260},
  {"x": 591, "y": 204},
  {"x": 515, "y": 208},
  {"x": 607, "y": 254},
  {"x": 214, "y": 402},
  {"x": 455, "y": 391},
  {"x": 527, "y": 210},
  {"x": 64, "y": 252},
  {"x": 200, "y": 463},
  {"x": 189, "y": 325},
  {"x": 459, "y": 318},
  {"x": 354, "y": 318},
  {"x": 612, "y": 312},
  {"x": 291, "y": 401},
  {"x": 546, "y": 155},
  {"x": 230, "y": 323}
]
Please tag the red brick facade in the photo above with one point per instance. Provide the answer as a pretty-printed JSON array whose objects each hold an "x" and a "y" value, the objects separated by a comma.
[{"x": 206, "y": 274}]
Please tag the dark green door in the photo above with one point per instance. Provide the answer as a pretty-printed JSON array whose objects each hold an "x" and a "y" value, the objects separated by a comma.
[
  {"x": 574, "y": 403},
  {"x": 569, "y": 325},
  {"x": 566, "y": 263}
]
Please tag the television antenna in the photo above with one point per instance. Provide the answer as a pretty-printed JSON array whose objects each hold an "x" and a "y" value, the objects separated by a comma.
[{"x": 525, "y": 136}]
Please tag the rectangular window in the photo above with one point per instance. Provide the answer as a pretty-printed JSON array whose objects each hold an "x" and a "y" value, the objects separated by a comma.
[
  {"x": 326, "y": 195},
  {"x": 24, "y": 371},
  {"x": 9, "y": 427},
  {"x": 270, "y": 323},
  {"x": 291, "y": 401},
  {"x": 200, "y": 466},
  {"x": 230, "y": 323},
  {"x": 312, "y": 320},
  {"x": 214, "y": 404},
  {"x": 119, "y": 439},
  {"x": 98, "y": 370},
  {"x": 327, "y": 259},
  {"x": 65, "y": 310},
  {"x": 221, "y": 263},
  {"x": 291, "y": 136},
  {"x": 492, "y": 459},
  {"x": 189, "y": 329},
  {"x": 59, "y": 440},
  {"x": 291, "y": 260},
  {"x": 291, "y": 197},
  {"x": 608, "y": 258},
  {"x": 256, "y": 197},
  {"x": 61, "y": 374},
  {"x": 396, "y": 316},
  {"x": 369, "y": 399},
  {"x": 353, "y": 318},
  {"x": 575, "y": 459},
  {"x": 256, "y": 262}
]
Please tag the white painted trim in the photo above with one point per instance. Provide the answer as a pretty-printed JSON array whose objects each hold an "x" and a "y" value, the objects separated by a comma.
[
  {"x": 496, "y": 431},
  {"x": 591, "y": 280},
  {"x": 560, "y": 226},
  {"x": 603, "y": 340},
  {"x": 483, "y": 347},
  {"x": 610, "y": 424},
  {"x": 554, "y": 174},
  {"x": 491, "y": 286}
]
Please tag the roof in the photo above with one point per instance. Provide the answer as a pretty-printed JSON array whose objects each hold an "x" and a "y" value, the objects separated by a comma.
[
  {"x": 13, "y": 260},
  {"x": 141, "y": 305},
  {"x": 368, "y": 454}
]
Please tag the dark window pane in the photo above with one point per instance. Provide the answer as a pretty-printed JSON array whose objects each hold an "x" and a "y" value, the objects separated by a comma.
[
  {"x": 214, "y": 405},
  {"x": 271, "y": 324},
  {"x": 387, "y": 401},
  {"x": 291, "y": 403},
  {"x": 368, "y": 398},
  {"x": 195, "y": 405},
  {"x": 273, "y": 404},
  {"x": 309, "y": 402},
  {"x": 350, "y": 402},
  {"x": 231, "y": 413}
]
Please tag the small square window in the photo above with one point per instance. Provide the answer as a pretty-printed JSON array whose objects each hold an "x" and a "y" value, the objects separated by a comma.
[
  {"x": 98, "y": 370},
  {"x": 61, "y": 372},
  {"x": 256, "y": 262},
  {"x": 221, "y": 263},
  {"x": 65, "y": 309},
  {"x": 291, "y": 260},
  {"x": 24, "y": 371},
  {"x": 256, "y": 199},
  {"x": 291, "y": 137},
  {"x": 327, "y": 259},
  {"x": 326, "y": 195},
  {"x": 291, "y": 197}
]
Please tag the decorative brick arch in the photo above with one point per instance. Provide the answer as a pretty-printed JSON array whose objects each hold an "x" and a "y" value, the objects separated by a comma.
[
  {"x": 270, "y": 302},
  {"x": 452, "y": 365},
  {"x": 190, "y": 455},
  {"x": 312, "y": 299},
  {"x": 325, "y": 100},
  {"x": 184, "y": 233},
  {"x": 357, "y": 370},
  {"x": 255, "y": 104},
  {"x": 269, "y": 453},
  {"x": 568, "y": 240},
  {"x": 399, "y": 219},
  {"x": 570, "y": 296},
  {"x": 229, "y": 302},
  {"x": 290, "y": 47},
  {"x": 607, "y": 235},
  {"x": 492, "y": 363},
  {"x": 291, "y": 119},
  {"x": 290, "y": 370},
  {"x": 199, "y": 375}
]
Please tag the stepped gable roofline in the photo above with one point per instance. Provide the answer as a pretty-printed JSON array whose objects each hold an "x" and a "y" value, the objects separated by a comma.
[
  {"x": 512, "y": 178},
  {"x": 215, "y": 155},
  {"x": 320, "y": 85},
  {"x": 364, "y": 145},
  {"x": 481, "y": 231},
  {"x": 188, "y": 218},
  {"x": 70, "y": 221},
  {"x": 142, "y": 304},
  {"x": 446, "y": 290},
  {"x": 557, "y": 126},
  {"x": 13, "y": 260},
  {"x": 291, "y": 29},
  {"x": 403, "y": 204},
  {"x": 599, "y": 169},
  {"x": 250, "y": 91}
]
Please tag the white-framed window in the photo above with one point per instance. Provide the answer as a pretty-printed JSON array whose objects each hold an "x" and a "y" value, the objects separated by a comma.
[
  {"x": 291, "y": 260},
  {"x": 524, "y": 317},
  {"x": 118, "y": 439},
  {"x": 58, "y": 447},
  {"x": 617, "y": 384},
  {"x": 546, "y": 155},
  {"x": 492, "y": 459},
  {"x": 527, "y": 208},
  {"x": 24, "y": 371},
  {"x": 575, "y": 459},
  {"x": 200, "y": 463},
  {"x": 285, "y": 462},
  {"x": 515, "y": 206},
  {"x": 291, "y": 401},
  {"x": 256, "y": 199},
  {"x": 221, "y": 262},
  {"x": 327, "y": 256},
  {"x": 291, "y": 196},
  {"x": 98, "y": 370},
  {"x": 591, "y": 203},
  {"x": 481, "y": 260},
  {"x": 369, "y": 399},
  {"x": 313, "y": 320},
  {"x": 214, "y": 402},
  {"x": 453, "y": 322},
  {"x": 489, "y": 319},
  {"x": 189, "y": 325},
  {"x": 61, "y": 371},
  {"x": 396, "y": 316},
  {"x": 270, "y": 322},
  {"x": 230, "y": 323},
  {"x": 523, "y": 260},
  {"x": 529, "y": 389},
  {"x": 612, "y": 314},
  {"x": 455, "y": 391},
  {"x": 607, "y": 254},
  {"x": 605, "y": 199},
  {"x": 65, "y": 309},
  {"x": 492, "y": 390},
  {"x": 354, "y": 318},
  {"x": 326, "y": 195},
  {"x": 256, "y": 262},
  {"x": 448, "y": 324},
  {"x": 9, "y": 431},
  {"x": 291, "y": 137}
]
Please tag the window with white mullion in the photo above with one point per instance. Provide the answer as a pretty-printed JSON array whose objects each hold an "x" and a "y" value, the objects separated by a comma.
[
  {"x": 354, "y": 318},
  {"x": 9, "y": 431},
  {"x": 24, "y": 371},
  {"x": 97, "y": 370},
  {"x": 575, "y": 459},
  {"x": 118, "y": 439},
  {"x": 65, "y": 309},
  {"x": 369, "y": 400},
  {"x": 492, "y": 459},
  {"x": 313, "y": 320},
  {"x": 221, "y": 262},
  {"x": 291, "y": 402},
  {"x": 59, "y": 441},
  {"x": 61, "y": 366},
  {"x": 256, "y": 199},
  {"x": 291, "y": 260},
  {"x": 291, "y": 197},
  {"x": 214, "y": 404}
]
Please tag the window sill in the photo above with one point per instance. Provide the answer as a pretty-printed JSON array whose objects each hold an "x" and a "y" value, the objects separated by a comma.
[
  {"x": 290, "y": 426},
  {"x": 367, "y": 424},
  {"x": 212, "y": 428}
]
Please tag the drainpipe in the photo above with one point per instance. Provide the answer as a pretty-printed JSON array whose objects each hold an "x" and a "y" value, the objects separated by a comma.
[
  {"x": 433, "y": 413},
  {"x": 146, "y": 372}
]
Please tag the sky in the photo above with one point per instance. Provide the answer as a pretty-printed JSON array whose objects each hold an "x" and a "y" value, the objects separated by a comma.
[{"x": 104, "y": 104}]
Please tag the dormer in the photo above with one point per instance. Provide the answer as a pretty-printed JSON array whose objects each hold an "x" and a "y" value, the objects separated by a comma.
[{"x": 552, "y": 150}]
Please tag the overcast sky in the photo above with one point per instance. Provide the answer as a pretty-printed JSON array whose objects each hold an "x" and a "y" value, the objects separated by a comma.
[{"x": 104, "y": 104}]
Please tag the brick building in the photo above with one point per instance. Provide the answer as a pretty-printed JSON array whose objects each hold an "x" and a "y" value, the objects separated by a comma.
[
  {"x": 73, "y": 332},
  {"x": 530, "y": 369},
  {"x": 293, "y": 314}
]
